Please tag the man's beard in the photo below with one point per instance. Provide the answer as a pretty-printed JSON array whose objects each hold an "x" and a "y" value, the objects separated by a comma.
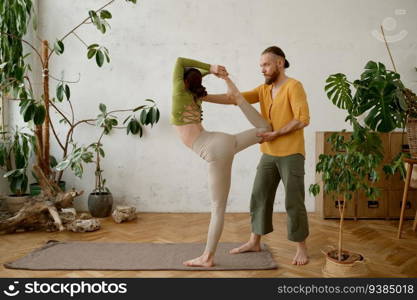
[{"x": 271, "y": 79}]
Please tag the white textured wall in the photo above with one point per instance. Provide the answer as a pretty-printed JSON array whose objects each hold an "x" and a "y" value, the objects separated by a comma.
[{"x": 158, "y": 173}]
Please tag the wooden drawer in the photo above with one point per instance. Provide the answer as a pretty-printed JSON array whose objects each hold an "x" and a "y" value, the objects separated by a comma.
[
  {"x": 394, "y": 206},
  {"x": 396, "y": 140},
  {"x": 385, "y": 138},
  {"x": 377, "y": 208},
  {"x": 331, "y": 209},
  {"x": 396, "y": 183}
]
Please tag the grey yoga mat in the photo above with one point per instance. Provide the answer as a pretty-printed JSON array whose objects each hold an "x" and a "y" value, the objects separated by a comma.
[{"x": 76, "y": 255}]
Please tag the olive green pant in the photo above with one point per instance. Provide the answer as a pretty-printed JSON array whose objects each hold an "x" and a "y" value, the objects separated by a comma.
[{"x": 270, "y": 171}]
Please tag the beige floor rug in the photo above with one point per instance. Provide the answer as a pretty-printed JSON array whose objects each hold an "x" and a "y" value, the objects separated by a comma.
[{"x": 75, "y": 255}]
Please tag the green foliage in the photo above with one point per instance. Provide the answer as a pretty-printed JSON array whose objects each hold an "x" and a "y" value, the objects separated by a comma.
[
  {"x": 338, "y": 91},
  {"x": 14, "y": 19},
  {"x": 99, "y": 20},
  {"x": 61, "y": 90},
  {"x": 99, "y": 52},
  {"x": 353, "y": 166},
  {"x": 75, "y": 160},
  {"x": 59, "y": 47},
  {"x": 378, "y": 95},
  {"x": 31, "y": 111},
  {"x": 16, "y": 150},
  {"x": 397, "y": 165}
]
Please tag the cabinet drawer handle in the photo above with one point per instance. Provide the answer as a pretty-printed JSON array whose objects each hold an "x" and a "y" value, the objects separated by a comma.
[
  {"x": 407, "y": 204},
  {"x": 336, "y": 203},
  {"x": 373, "y": 204}
]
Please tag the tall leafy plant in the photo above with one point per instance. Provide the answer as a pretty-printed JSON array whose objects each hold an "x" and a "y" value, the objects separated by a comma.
[
  {"x": 352, "y": 168},
  {"x": 36, "y": 110}
]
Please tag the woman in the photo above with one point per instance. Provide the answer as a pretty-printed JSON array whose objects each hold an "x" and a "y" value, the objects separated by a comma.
[{"x": 217, "y": 148}]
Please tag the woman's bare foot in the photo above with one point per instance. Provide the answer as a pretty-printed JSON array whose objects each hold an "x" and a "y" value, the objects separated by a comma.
[
  {"x": 204, "y": 260},
  {"x": 247, "y": 247},
  {"x": 232, "y": 91},
  {"x": 301, "y": 257}
]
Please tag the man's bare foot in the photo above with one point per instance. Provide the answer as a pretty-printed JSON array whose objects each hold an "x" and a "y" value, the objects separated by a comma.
[
  {"x": 247, "y": 247},
  {"x": 202, "y": 261},
  {"x": 301, "y": 257}
]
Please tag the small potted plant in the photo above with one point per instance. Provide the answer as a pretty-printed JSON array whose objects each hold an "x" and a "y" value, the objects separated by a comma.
[{"x": 16, "y": 150}]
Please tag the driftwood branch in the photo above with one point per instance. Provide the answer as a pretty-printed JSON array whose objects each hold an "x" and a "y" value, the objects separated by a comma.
[{"x": 40, "y": 212}]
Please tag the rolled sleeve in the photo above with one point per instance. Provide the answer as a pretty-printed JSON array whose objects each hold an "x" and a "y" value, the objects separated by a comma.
[
  {"x": 299, "y": 105},
  {"x": 252, "y": 96}
]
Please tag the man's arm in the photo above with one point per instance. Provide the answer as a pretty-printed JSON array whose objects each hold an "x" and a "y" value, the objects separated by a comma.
[
  {"x": 299, "y": 106},
  {"x": 288, "y": 128}
]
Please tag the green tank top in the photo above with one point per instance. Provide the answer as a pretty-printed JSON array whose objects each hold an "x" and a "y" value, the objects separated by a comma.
[{"x": 186, "y": 110}]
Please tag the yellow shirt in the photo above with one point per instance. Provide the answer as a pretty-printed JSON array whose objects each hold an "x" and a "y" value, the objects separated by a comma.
[{"x": 290, "y": 103}]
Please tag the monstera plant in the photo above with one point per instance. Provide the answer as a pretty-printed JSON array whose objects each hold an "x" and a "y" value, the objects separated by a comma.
[{"x": 379, "y": 96}]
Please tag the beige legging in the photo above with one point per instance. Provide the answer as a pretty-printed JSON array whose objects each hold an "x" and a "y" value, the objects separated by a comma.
[{"x": 219, "y": 149}]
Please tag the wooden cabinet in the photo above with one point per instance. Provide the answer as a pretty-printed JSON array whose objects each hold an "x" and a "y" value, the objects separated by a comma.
[
  {"x": 388, "y": 204},
  {"x": 373, "y": 208},
  {"x": 395, "y": 201},
  {"x": 332, "y": 207}
]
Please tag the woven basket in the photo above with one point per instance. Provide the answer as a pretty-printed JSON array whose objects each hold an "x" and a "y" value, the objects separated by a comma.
[
  {"x": 357, "y": 267},
  {"x": 412, "y": 136}
]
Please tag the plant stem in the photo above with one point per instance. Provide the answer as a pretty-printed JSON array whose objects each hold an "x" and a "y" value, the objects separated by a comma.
[
  {"x": 76, "y": 35},
  {"x": 55, "y": 134},
  {"x": 67, "y": 139},
  {"x": 30, "y": 84},
  {"x": 342, "y": 215},
  {"x": 66, "y": 81},
  {"x": 45, "y": 127},
  {"x": 79, "y": 25},
  {"x": 99, "y": 185}
]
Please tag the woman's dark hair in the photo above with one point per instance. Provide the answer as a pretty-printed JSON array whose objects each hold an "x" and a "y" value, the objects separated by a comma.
[{"x": 193, "y": 77}]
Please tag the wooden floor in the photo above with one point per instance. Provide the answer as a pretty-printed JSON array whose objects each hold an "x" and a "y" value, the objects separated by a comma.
[{"x": 375, "y": 239}]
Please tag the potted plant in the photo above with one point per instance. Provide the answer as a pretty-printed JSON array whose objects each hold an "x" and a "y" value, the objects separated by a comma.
[
  {"x": 379, "y": 100},
  {"x": 351, "y": 169},
  {"x": 100, "y": 200},
  {"x": 15, "y": 152}
]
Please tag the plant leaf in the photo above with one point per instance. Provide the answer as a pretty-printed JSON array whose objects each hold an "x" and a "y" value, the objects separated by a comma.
[
  {"x": 99, "y": 58},
  {"x": 40, "y": 114}
]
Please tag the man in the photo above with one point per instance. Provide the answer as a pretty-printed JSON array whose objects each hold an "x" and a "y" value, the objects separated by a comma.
[{"x": 283, "y": 103}]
